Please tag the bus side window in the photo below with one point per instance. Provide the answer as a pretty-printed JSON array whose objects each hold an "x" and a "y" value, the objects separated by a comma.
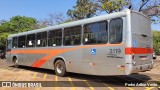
[
  {"x": 55, "y": 37},
  {"x": 115, "y": 31},
  {"x": 14, "y": 42},
  {"x": 72, "y": 36},
  {"x": 41, "y": 39},
  {"x": 30, "y": 40},
  {"x": 96, "y": 33},
  {"x": 21, "y": 41},
  {"x": 9, "y": 45}
]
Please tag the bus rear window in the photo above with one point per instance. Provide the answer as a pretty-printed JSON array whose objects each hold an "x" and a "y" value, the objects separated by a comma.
[{"x": 115, "y": 31}]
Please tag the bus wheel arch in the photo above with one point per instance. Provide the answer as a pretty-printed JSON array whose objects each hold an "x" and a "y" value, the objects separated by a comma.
[
  {"x": 60, "y": 67},
  {"x": 15, "y": 61}
]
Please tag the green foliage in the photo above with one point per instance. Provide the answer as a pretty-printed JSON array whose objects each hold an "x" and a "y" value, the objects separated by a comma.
[
  {"x": 14, "y": 25},
  {"x": 88, "y": 8},
  {"x": 83, "y": 9},
  {"x": 112, "y": 5},
  {"x": 67, "y": 21},
  {"x": 3, "y": 39},
  {"x": 156, "y": 41}
]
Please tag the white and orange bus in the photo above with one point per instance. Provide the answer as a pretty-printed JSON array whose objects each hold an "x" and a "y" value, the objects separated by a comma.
[{"x": 114, "y": 44}]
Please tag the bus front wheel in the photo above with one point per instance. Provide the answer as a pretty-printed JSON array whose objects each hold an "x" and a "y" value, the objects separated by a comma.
[
  {"x": 15, "y": 61},
  {"x": 60, "y": 68}
]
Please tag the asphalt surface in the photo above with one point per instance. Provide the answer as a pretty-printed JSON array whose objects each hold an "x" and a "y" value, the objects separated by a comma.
[{"x": 29, "y": 78}]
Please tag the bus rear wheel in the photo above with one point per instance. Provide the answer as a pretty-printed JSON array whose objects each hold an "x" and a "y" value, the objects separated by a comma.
[
  {"x": 60, "y": 68},
  {"x": 15, "y": 62}
]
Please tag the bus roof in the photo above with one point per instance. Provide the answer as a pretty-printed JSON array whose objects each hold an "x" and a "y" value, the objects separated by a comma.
[{"x": 76, "y": 23}]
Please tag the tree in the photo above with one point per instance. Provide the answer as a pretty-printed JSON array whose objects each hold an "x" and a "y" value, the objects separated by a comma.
[
  {"x": 57, "y": 18},
  {"x": 22, "y": 23},
  {"x": 14, "y": 25},
  {"x": 149, "y": 7},
  {"x": 3, "y": 39},
  {"x": 52, "y": 19},
  {"x": 83, "y": 9},
  {"x": 43, "y": 23},
  {"x": 156, "y": 41},
  {"x": 18, "y": 24},
  {"x": 110, "y": 6},
  {"x": 89, "y": 8}
]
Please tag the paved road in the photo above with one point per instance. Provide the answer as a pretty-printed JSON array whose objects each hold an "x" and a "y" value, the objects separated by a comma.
[{"x": 74, "y": 81}]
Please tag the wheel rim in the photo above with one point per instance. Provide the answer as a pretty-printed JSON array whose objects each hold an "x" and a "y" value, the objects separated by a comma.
[
  {"x": 16, "y": 62},
  {"x": 59, "y": 68}
]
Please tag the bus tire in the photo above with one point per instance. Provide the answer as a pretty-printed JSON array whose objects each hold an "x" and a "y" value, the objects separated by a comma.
[
  {"x": 60, "y": 68},
  {"x": 15, "y": 62}
]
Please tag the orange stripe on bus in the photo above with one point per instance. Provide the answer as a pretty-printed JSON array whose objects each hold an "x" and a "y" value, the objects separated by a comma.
[
  {"x": 40, "y": 51},
  {"x": 138, "y": 50},
  {"x": 43, "y": 60},
  {"x": 53, "y": 52}
]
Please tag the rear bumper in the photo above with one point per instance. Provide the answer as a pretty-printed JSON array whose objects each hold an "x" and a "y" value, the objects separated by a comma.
[{"x": 139, "y": 68}]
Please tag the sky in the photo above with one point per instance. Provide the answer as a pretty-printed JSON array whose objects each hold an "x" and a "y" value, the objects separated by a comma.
[
  {"x": 33, "y": 8},
  {"x": 39, "y": 9}
]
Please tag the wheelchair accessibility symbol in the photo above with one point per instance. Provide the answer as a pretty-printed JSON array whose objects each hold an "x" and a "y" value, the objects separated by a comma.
[
  {"x": 134, "y": 43},
  {"x": 93, "y": 51}
]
